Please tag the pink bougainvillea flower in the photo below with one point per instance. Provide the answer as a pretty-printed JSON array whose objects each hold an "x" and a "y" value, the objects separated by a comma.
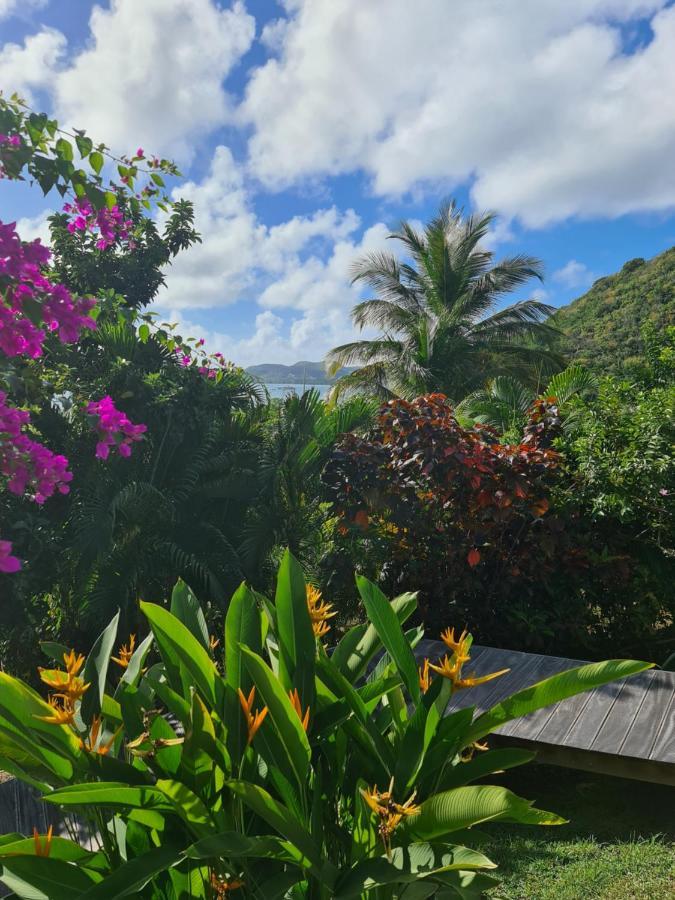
[
  {"x": 113, "y": 427},
  {"x": 8, "y": 563}
]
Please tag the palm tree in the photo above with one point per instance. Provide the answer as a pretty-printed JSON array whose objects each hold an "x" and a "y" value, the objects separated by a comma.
[
  {"x": 504, "y": 403},
  {"x": 435, "y": 310}
]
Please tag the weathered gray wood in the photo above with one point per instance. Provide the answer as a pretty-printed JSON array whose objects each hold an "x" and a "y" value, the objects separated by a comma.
[{"x": 624, "y": 727}]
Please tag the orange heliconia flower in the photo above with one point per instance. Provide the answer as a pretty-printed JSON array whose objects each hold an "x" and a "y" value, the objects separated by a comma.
[
  {"x": 457, "y": 645},
  {"x": 319, "y": 611},
  {"x": 451, "y": 666},
  {"x": 92, "y": 745},
  {"x": 62, "y": 712},
  {"x": 424, "y": 676},
  {"x": 40, "y": 848},
  {"x": 125, "y": 653},
  {"x": 223, "y": 886},
  {"x": 294, "y": 697},
  {"x": 253, "y": 721},
  {"x": 389, "y": 812}
]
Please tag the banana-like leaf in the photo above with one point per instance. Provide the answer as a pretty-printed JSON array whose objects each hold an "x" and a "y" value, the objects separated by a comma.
[
  {"x": 96, "y": 670},
  {"x": 284, "y": 717},
  {"x": 234, "y": 845},
  {"x": 384, "y": 619},
  {"x": 450, "y": 811},
  {"x": 484, "y": 764},
  {"x": 297, "y": 644},
  {"x": 131, "y": 877},
  {"x": 552, "y": 690},
  {"x": 176, "y": 639},
  {"x": 44, "y": 878},
  {"x": 281, "y": 819},
  {"x": 186, "y": 607},
  {"x": 408, "y": 864}
]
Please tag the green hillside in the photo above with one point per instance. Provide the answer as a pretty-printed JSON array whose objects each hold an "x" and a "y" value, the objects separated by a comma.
[
  {"x": 302, "y": 372},
  {"x": 602, "y": 328}
]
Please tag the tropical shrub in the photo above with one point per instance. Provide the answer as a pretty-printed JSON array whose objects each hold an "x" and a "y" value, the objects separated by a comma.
[
  {"x": 264, "y": 764},
  {"x": 497, "y": 536}
]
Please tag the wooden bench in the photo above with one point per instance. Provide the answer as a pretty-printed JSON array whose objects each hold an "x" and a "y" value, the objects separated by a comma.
[{"x": 625, "y": 728}]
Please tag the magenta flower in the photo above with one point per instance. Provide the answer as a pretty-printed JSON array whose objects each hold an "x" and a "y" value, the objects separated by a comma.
[
  {"x": 8, "y": 563},
  {"x": 113, "y": 427}
]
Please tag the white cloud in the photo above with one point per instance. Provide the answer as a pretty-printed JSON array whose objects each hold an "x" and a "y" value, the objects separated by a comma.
[
  {"x": 534, "y": 101},
  {"x": 299, "y": 267},
  {"x": 31, "y": 65},
  {"x": 574, "y": 274},
  {"x": 11, "y": 7},
  {"x": 32, "y": 227},
  {"x": 152, "y": 73}
]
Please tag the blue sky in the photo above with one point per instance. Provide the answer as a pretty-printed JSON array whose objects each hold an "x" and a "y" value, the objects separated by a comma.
[{"x": 307, "y": 129}]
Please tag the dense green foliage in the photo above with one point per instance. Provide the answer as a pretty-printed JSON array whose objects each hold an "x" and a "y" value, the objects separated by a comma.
[
  {"x": 604, "y": 328},
  {"x": 271, "y": 781},
  {"x": 435, "y": 311}
]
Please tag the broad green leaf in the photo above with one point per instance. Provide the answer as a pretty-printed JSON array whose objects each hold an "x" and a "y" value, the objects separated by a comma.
[
  {"x": 133, "y": 670},
  {"x": 297, "y": 644},
  {"x": 281, "y": 819},
  {"x": 84, "y": 145},
  {"x": 96, "y": 161},
  {"x": 282, "y": 714},
  {"x": 364, "y": 834},
  {"x": 233, "y": 844},
  {"x": 60, "y": 848},
  {"x": 242, "y": 627},
  {"x": 362, "y": 642},
  {"x": 186, "y": 608},
  {"x": 407, "y": 864},
  {"x": 177, "y": 642},
  {"x": 384, "y": 619},
  {"x": 144, "y": 333},
  {"x": 44, "y": 878},
  {"x": 444, "y": 813},
  {"x": 96, "y": 670},
  {"x": 552, "y": 690},
  {"x": 115, "y": 795},
  {"x": 484, "y": 764},
  {"x": 186, "y": 804},
  {"x": 65, "y": 149},
  {"x": 53, "y": 650},
  {"x": 131, "y": 877}
]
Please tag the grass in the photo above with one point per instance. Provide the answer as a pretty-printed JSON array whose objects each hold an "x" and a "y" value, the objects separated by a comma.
[{"x": 618, "y": 845}]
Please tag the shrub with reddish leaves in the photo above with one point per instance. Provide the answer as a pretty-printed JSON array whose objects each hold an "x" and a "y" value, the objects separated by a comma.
[{"x": 454, "y": 512}]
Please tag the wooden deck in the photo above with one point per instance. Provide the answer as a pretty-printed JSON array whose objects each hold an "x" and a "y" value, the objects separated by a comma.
[{"x": 624, "y": 728}]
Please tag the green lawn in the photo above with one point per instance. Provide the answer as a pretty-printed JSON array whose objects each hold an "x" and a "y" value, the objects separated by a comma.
[{"x": 618, "y": 845}]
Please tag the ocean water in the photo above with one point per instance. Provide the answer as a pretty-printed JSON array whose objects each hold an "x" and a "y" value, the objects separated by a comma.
[{"x": 282, "y": 390}]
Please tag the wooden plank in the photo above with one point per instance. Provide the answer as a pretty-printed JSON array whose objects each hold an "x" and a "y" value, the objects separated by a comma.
[
  {"x": 586, "y": 727},
  {"x": 640, "y": 739},
  {"x": 530, "y": 725},
  {"x": 563, "y": 716},
  {"x": 623, "y": 714},
  {"x": 664, "y": 746}
]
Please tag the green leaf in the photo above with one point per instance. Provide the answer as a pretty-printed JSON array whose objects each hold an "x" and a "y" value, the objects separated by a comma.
[
  {"x": 242, "y": 627},
  {"x": 54, "y": 651},
  {"x": 131, "y": 877},
  {"x": 384, "y": 619},
  {"x": 484, "y": 764},
  {"x": 234, "y": 845},
  {"x": 60, "y": 848},
  {"x": 112, "y": 794},
  {"x": 463, "y": 807},
  {"x": 281, "y": 819},
  {"x": 186, "y": 608},
  {"x": 137, "y": 661},
  {"x": 159, "y": 181},
  {"x": 44, "y": 878},
  {"x": 144, "y": 333},
  {"x": 297, "y": 644},
  {"x": 84, "y": 145},
  {"x": 64, "y": 149},
  {"x": 96, "y": 670},
  {"x": 407, "y": 865},
  {"x": 285, "y": 719},
  {"x": 178, "y": 645},
  {"x": 552, "y": 690}
]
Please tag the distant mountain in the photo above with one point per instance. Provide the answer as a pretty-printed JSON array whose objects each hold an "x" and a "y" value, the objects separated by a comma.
[
  {"x": 302, "y": 372},
  {"x": 603, "y": 327}
]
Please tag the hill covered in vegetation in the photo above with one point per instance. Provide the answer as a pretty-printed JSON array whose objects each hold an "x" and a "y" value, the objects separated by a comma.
[
  {"x": 603, "y": 328},
  {"x": 302, "y": 372}
]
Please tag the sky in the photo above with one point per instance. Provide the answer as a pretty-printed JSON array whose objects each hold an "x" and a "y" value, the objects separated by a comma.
[{"x": 306, "y": 130}]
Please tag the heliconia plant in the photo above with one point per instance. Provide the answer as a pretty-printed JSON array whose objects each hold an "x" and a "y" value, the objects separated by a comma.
[{"x": 264, "y": 765}]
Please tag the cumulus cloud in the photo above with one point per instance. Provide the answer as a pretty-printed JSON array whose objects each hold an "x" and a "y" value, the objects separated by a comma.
[
  {"x": 11, "y": 7},
  {"x": 535, "y": 103},
  {"x": 574, "y": 274},
  {"x": 151, "y": 73},
  {"x": 30, "y": 66},
  {"x": 296, "y": 272}
]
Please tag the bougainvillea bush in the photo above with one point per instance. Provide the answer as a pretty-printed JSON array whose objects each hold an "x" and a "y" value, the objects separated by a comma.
[
  {"x": 256, "y": 764},
  {"x": 422, "y": 501}
]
